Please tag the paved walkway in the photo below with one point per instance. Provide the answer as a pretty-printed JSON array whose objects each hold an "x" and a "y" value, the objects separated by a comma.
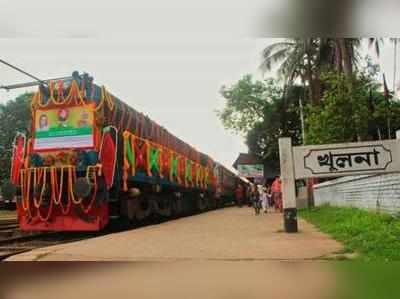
[{"x": 231, "y": 234}]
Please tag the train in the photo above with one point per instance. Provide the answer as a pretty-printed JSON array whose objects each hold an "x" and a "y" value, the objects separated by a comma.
[{"x": 90, "y": 159}]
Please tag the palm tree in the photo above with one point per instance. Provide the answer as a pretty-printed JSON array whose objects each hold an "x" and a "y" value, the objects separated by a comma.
[
  {"x": 289, "y": 54},
  {"x": 394, "y": 41},
  {"x": 295, "y": 60},
  {"x": 347, "y": 50},
  {"x": 306, "y": 58},
  {"x": 376, "y": 43}
]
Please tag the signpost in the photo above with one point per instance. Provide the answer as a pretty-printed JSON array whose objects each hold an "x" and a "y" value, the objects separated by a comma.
[{"x": 331, "y": 160}]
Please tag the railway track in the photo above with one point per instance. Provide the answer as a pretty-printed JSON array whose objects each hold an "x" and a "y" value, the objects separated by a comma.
[
  {"x": 29, "y": 241},
  {"x": 8, "y": 224},
  {"x": 13, "y": 241},
  {"x": 8, "y": 227}
]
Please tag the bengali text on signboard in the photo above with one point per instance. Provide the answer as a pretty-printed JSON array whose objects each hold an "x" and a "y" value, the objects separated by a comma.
[{"x": 346, "y": 159}]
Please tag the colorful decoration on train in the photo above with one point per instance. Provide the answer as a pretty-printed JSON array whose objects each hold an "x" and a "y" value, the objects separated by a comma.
[
  {"x": 174, "y": 167},
  {"x": 85, "y": 94},
  {"x": 154, "y": 161},
  {"x": 49, "y": 160},
  {"x": 71, "y": 158},
  {"x": 36, "y": 160},
  {"x": 108, "y": 157},
  {"x": 17, "y": 157},
  {"x": 151, "y": 159}
]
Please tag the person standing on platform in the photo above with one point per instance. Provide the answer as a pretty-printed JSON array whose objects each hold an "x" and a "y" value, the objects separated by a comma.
[
  {"x": 255, "y": 199},
  {"x": 277, "y": 194},
  {"x": 239, "y": 192},
  {"x": 269, "y": 196},
  {"x": 249, "y": 192}
]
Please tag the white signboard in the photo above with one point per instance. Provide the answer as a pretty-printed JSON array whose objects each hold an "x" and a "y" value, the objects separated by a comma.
[
  {"x": 251, "y": 170},
  {"x": 346, "y": 159},
  {"x": 331, "y": 160}
]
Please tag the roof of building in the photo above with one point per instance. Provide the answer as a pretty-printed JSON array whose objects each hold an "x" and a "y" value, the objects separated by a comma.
[{"x": 246, "y": 159}]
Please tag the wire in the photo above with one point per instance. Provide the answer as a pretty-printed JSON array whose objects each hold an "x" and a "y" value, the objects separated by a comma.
[{"x": 22, "y": 71}]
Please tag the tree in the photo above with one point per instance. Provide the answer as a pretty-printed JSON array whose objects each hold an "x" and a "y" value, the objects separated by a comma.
[
  {"x": 353, "y": 109},
  {"x": 295, "y": 59},
  {"x": 342, "y": 108},
  {"x": 307, "y": 58},
  {"x": 246, "y": 102},
  {"x": 375, "y": 43},
  {"x": 263, "y": 111},
  {"x": 394, "y": 41},
  {"x": 15, "y": 116}
]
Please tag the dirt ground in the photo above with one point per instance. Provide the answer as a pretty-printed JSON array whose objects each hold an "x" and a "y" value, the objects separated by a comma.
[{"x": 226, "y": 235}]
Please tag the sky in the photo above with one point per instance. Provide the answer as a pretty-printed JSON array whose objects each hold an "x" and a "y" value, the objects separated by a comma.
[
  {"x": 167, "y": 59},
  {"x": 175, "y": 82}
]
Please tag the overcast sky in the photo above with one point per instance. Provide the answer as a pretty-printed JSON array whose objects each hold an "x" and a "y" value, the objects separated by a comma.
[{"x": 167, "y": 59}]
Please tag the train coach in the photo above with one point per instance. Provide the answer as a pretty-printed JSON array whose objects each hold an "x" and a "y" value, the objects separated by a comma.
[{"x": 90, "y": 158}]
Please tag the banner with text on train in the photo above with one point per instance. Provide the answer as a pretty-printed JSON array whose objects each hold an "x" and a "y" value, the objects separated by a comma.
[{"x": 70, "y": 127}]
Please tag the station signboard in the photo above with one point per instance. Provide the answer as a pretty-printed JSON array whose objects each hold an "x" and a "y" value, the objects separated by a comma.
[
  {"x": 251, "y": 170},
  {"x": 346, "y": 159},
  {"x": 331, "y": 160}
]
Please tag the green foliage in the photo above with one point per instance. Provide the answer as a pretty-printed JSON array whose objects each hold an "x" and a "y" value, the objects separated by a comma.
[
  {"x": 263, "y": 112},
  {"x": 15, "y": 116},
  {"x": 374, "y": 236},
  {"x": 360, "y": 280},
  {"x": 246, "y": 102},
  {"x": 343, "y": 107},
  {"x": 352, "y": 109}
]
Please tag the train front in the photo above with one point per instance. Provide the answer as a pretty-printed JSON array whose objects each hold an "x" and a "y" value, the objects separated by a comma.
[{"x": 62, "y": 173}]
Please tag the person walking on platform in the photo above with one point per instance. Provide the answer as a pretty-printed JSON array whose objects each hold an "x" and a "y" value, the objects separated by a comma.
[
  {"x": 264, "y": 198},
  {"x": 277, "y": 194}
]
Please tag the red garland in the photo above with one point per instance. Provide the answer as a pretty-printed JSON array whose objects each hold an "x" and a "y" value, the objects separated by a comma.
[
  {"x": 49, "y": 160},
  {"x": 18, "y": 160},
  {"x": 141, "y": 154},
  {"x": 108, "y": 158}
]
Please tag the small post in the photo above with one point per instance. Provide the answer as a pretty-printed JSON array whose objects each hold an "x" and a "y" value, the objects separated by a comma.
[
  {"x": 398, "y": 134},
  {"x": 288, "y": 185}
]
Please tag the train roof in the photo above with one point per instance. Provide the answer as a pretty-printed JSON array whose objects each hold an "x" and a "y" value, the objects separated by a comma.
[{"x": 94, "y": 92}]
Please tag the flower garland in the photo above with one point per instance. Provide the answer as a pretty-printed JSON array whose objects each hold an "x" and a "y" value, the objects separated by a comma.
[
  {"x": 150, "y": 156},
  {"x": 42, "y": 176},
  {"x": 75, "y": 95}
]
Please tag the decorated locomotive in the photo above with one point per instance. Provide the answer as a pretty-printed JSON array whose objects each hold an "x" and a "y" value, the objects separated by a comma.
[{"x": 91, "y": 158}]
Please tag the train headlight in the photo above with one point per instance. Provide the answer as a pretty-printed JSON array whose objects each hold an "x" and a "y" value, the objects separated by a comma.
[{"x": 133, "y": 192}]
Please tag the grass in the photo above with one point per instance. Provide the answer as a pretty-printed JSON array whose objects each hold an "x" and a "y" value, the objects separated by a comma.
[{"x": 375, "y": 237}]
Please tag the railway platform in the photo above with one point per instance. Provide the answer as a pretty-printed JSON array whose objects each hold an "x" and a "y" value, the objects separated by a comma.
[{"x": 230, "y": 234}]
